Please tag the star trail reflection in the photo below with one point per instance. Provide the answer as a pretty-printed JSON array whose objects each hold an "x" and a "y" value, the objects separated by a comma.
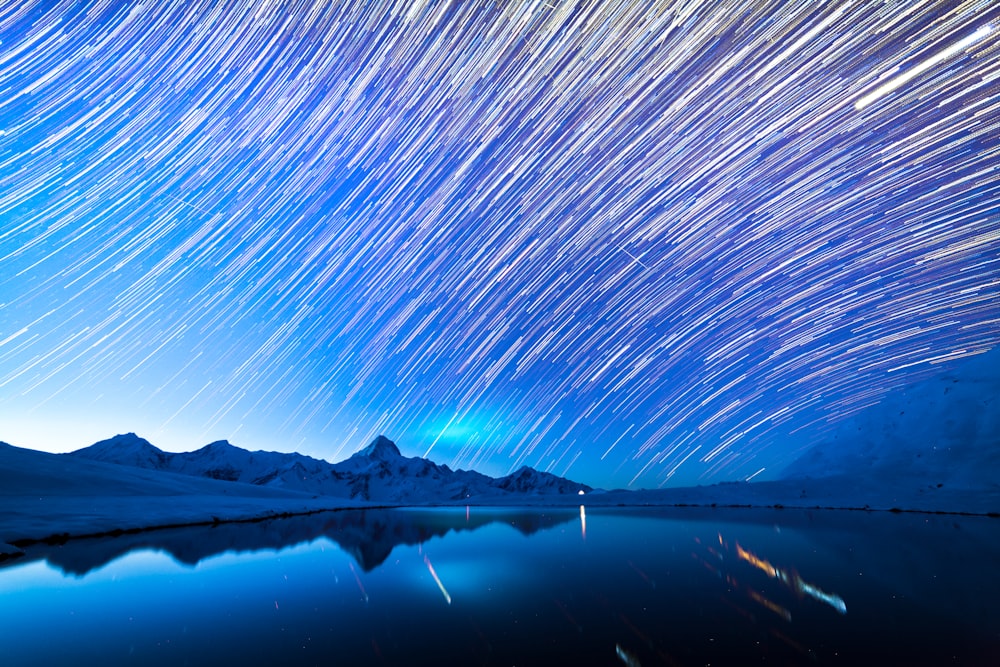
[{"x": 630, "y": 243}]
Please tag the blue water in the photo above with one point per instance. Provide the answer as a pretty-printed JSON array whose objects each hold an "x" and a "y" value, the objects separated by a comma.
[{"x": 516, "y": 587}]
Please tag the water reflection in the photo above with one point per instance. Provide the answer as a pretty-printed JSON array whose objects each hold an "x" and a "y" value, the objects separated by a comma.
[
  {"x": 475, "y": 586},
  {"x": 790, "y": 579},
  {"x": 368, "y": 535}
]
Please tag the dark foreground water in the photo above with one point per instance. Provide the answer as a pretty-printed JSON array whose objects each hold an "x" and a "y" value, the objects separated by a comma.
[{"x": 516, "y": 587}]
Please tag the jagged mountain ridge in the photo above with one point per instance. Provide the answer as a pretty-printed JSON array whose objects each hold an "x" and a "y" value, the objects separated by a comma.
[{"x": 379, "y": 472}]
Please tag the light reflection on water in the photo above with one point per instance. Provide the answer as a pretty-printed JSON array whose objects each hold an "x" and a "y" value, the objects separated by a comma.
[{"x": 481, "y": 586}]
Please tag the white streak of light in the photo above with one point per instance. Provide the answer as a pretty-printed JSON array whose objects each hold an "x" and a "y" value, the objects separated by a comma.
[
  {"x": 900, "y": 80},
  {"x": 364, "y": 593},
  {"x": 437, "y": 579}
]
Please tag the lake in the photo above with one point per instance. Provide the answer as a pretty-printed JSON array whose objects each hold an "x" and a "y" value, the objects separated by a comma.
[{"x": 482, "y": 586}]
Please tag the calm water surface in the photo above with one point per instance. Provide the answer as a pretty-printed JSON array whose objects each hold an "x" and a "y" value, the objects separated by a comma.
[{"x": 514, "y": 587}]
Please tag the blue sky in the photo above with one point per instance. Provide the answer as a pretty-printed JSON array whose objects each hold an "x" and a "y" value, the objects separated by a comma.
[{"x": 634, "y": 245}]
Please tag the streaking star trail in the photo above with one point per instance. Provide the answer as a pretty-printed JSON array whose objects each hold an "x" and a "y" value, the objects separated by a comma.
[
  {"x": 910, "y": 74},
  {"x": 631, "y": 243}
]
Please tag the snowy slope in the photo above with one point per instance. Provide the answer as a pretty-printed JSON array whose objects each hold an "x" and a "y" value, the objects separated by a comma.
[
  {"x": 943, "y": 430},
  {"x": 378, "y": 473}
]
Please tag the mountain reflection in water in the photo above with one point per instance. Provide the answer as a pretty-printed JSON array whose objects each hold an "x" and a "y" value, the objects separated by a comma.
[{"x": 369, "y": 536}]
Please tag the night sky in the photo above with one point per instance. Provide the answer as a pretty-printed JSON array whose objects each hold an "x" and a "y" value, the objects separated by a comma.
[{"x": 631, "y": 243}]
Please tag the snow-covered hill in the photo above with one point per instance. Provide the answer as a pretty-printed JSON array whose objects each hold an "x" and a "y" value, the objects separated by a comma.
[
  {"x": 942, "y": 432},
  {"x": 377, "y": 473}
]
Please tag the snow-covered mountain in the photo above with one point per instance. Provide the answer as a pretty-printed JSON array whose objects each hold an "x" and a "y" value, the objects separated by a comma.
[
  {"x": 529, "y": 480},
  {"x": 218, "y": 460},
  {"x": 378, "y": 473}
]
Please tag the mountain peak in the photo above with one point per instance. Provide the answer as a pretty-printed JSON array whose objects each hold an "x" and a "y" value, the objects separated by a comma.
[
  {"x": 381, "y": 448},
  {"x": 127, "y": 449},
  {"x": 529, "y": 480},
  {"x": 125, "y": 441},
  {"x": 220, "y": 445}
]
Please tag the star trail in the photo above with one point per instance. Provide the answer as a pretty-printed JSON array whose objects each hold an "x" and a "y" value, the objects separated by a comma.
[{"x": 632, "y": 243}]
